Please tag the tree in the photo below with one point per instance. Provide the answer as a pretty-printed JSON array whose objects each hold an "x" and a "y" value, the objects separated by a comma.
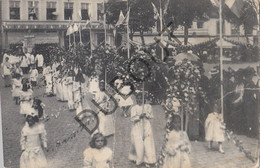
[
  {"x": 141, "y": 15},
  {"x": 248, "y": 17},
  {"x": 183, "y": 13}
]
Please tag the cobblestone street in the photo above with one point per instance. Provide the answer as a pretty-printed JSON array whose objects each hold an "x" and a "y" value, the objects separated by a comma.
[{"x": 70, "y": 154}]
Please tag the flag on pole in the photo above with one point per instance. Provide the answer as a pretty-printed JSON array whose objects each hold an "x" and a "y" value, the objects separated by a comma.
[
  {"x": 79, "y": 15},
  {"x": 126, "y": 20},
  {"x": 120, "y": 19},
  {"x": 215, "y": 3},
  {"x": 155, "y": 11},
  {"x": 75, "y": 28},
  {"x": 69, "y": 30},
  {"x": 235, "y": 6}
]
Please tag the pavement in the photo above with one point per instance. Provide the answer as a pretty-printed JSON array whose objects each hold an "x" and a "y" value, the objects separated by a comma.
[{"x": 70, "y": 154}]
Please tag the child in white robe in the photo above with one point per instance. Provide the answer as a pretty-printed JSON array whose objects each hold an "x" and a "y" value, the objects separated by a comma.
[
  {"x": 17, "y": 69},
  {"x": 64, "y": 87},
  {"x": 33, "y": 76},
  {"x": 142, "y": 141},
  {"x": 69, "y": 83},
  {"x": 16, "y": 88},
  {"x": 77, "y": 91},
  {"x": 178, "y": 146},
  {"x": 106, "y": 121},
  {"x": 98, "y": 155},
  {"x": 25, "y": 98},
  {"x": 215, "y": 128},
  {"x": 33, "y": 138},
  {"x": 47, "y": 73},
  {"x": 124, "y": 102}
]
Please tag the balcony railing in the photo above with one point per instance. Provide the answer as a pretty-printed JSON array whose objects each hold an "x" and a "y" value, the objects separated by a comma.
[{"x": 50, "y": 25}]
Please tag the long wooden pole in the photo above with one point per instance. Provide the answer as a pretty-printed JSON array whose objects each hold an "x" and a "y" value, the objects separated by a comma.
[
  {"x": 143, "y": 108},
  {"x": 127, "y": 32},
  {"x": 69, "y": 42},
  {"x": 90, "y": 39},
  {"x": 221, "y": 59},
  {"x": 161, "y": 28},
  {"x": 80, "y": 38},
  {"x": 105, "y": 18},
  {"x": 74, "y": 40},
  {"x": 182, "y": 120}
]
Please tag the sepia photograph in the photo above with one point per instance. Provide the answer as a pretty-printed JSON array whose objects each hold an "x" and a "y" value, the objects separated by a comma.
[{"x": 130, "y": 84}]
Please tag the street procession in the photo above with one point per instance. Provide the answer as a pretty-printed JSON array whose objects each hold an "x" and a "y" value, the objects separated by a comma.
[{"x": 130, "y": 83}]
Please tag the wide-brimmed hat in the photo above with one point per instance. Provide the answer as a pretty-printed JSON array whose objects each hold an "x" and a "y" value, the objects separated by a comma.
[{"x": 214, "y": 71}]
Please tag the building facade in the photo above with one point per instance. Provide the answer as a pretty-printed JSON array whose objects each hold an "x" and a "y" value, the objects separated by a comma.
[
  {"x": 206, "y": 29},
  {"x": 30, "y": 22}
]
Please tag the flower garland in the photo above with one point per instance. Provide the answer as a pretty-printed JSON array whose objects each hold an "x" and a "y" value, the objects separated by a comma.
[
  {"x": 185, "y": 86},
  {"x": 239, "y": 144},
  {"x": 197, "y": 49},
  {"x": 73, "y": 135}
]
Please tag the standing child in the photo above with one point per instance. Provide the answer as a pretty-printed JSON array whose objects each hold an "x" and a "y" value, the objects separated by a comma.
[
  {"x": 178, "y": 146},
  {"x": 33, "y": 138},
  {"x": 69, "y": 84},
  {"x": 215, "y": 128},
  {"x": 17, "y": 69},
  {"x": 6, "y": 70},
  {"x": 98, "y": 155},
  {"x": 16, "y": 88},
  {"x": 33, "y": 76},
  {"x": 47, "y": 73},
  {"x": 25, "y": 98},
  {"x": 142, "y": 141},
  {"x": 106, "y": 121}
]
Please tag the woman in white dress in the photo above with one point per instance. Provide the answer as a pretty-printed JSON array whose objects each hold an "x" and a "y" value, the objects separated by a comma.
[
  {"x": 33, "y": 138},
  {"x": 98, "y": 155},
  {"x": 142, "y": 141},
  {"x": 215, "y": 128}
]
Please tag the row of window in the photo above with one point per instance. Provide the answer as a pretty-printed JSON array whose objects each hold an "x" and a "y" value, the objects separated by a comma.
[{"x": 51, "y": 14}]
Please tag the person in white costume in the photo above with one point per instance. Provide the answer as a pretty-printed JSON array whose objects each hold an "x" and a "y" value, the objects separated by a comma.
[
  {"x": 26, "y": 96},
  {"x": 47, "y": 73},
  {"x": 24, "y": 64},
  {"x": 6, "y": 72},
  {"x": 124, "y": 101},
  {"x": 142, "y": 142},
  {"x": 178, "y": 146},
  {"x": 17, "y": 69},
  {"x": 77, "y": 91},
  {"x": 106, "y": 121},
  {"x": 215, "y": 128},
  {"x": 33, "y": 138},
  {"x": 58, "y": 84},
  {"x": 65, "y": 86},
  {"x": 93, "y": 85},
  {"x": 69, "y": 83},
  {"x": 17, "y": 88},
  {"x": 98, "y": 155},
  {"x": 33, "y": 76},
  {"x": 39, "y": 62}
]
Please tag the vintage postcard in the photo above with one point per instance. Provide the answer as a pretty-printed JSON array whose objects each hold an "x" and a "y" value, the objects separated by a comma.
[{"x": 129, "y": 83}]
